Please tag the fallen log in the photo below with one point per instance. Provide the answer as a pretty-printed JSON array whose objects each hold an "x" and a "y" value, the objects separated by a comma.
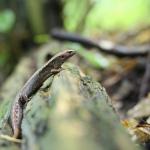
[{"x": 71, "y": 111}]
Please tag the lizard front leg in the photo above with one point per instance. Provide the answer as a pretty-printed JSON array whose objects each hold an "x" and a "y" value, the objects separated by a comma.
[{"x": 55, "y": 71}]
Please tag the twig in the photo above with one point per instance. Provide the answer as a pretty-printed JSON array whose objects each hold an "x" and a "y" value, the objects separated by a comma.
[{"x": 104, "y": 46}]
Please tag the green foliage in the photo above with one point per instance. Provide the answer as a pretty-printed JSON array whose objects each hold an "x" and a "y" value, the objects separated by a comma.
[
  {"x": 41, "y": 38},
  {"x": 73, "y": 10},
  {"x": 4, "y": 107},
  {"x": 114, "y": 14},
  {"x": 93, "y": 58},
  {"x": 4, "y": 56},
  {"x": 107, "y": 15},
  {"x": 7, "y": 20}
]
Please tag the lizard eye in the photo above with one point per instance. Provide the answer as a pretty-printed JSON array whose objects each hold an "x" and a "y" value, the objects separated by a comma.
[{"x": 62, "y": 56}]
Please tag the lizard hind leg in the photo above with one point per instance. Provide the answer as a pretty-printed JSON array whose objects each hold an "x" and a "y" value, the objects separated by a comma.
[
  {"x": 9, "y": 138},
  {"x": 16, "y": 133}
]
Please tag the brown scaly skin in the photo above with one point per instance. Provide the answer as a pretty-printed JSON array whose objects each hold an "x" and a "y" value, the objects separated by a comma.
[{"x": 52, "y": 67}]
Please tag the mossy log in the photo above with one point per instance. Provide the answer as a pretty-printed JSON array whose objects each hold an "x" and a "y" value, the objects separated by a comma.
[{"x": 70, "y": 112}]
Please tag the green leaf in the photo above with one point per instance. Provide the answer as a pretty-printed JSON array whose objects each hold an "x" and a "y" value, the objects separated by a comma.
[
  {"x": 41, "y": 38},
  {"x": 4, "y": 56},
  {"x": 95, "y": 59},
  {"x": 7, "y": 20}
]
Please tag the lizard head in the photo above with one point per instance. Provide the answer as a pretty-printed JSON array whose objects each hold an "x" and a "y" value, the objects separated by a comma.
[
  {"x": 66, "y": 55},
  {"x": 60, "y": 58}
]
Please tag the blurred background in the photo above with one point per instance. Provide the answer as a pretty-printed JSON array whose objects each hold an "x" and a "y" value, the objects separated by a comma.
[{"x": 27, "y": 24}]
